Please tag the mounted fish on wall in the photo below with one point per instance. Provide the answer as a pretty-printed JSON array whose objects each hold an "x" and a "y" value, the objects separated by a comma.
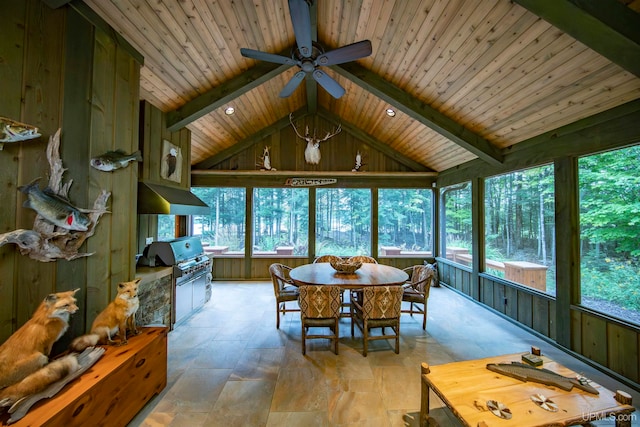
[
  {"x": 12, "y": 131},
  {"x": 171, "y": 164},
  {"x": 60, "y": 228},
  {"x": 112, "y": 160},
  {"x": 58, "y": 211}
]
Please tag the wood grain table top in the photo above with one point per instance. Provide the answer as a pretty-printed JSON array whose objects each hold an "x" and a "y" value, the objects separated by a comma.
[
  {"x": 465, "y": 387},
  {"x": 368, "y": 275}
]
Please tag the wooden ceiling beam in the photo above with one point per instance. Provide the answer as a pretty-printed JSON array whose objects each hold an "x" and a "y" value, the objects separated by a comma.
[
  {"x": 374, "y": 142},
  {"x": 611, "y": 129},
  {"x": 224, "y": 93},
  {"x": 247, "y": 142},
  {"x": 262, "y": 72},
  {"x": 345, "y": 179},
  {"x": 606, "y": 26},
  {"x": 312, "y": 95},
  {"x": 310, "y": 84},
  {"x": 421, "y": 112}
]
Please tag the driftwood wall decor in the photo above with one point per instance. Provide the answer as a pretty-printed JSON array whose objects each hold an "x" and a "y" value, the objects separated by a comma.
[{"x": 47, "y": 242}]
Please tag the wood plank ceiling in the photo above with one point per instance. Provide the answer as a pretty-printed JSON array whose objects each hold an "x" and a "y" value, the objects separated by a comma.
[{"x": 468, "y": 78}]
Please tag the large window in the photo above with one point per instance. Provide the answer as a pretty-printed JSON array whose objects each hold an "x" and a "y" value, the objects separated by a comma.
[
  {"x": 280, "y": 221},
  {"x": 166, "y": 227},
  {"x": 223, "y": 230},
  {"x": 404, "y": 222},
  {"x": 457, "y": 223},
  {"x": 520, "y": 227},
  {"x": 610, "y": 233},
  {"x": 343, "y": 221}
]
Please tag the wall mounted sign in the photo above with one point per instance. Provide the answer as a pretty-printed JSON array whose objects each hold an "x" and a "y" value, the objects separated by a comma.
[{"x": 309, "y": 182}]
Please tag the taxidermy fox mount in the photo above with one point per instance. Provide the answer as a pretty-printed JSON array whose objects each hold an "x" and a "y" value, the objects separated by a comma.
[
  {"x": 24, "y": 357},
  {"x": 115, "y": 319}
]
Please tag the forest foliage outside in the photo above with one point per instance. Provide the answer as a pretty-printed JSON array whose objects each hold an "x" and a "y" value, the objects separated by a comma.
[
  {"x": 280, "y": 219},
  {"x": 343, "y": 220},
  {"x": 225, "y": 226},
  {"x": 457, "y": 219},
  {"x": 404, "y": 220},
  {"x": 520, "y": 226},
  {"x": 610, "y": 232}
]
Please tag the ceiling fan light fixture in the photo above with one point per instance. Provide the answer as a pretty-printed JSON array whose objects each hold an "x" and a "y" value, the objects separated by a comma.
[
  {"x": 308, "y": 55},
  {"x": 229, "y": 110},
  {"x": 391, "y": 112}
]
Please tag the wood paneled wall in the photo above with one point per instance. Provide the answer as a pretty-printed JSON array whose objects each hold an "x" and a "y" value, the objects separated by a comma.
[
  {"x": 61, "y": 72},
  {"x": 287, "y": 151},
  {"x": 153, "y": 131},
  {"x": 605, "y": 341}
]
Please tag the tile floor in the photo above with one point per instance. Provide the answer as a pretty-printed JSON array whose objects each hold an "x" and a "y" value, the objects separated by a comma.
[{"x": 229, "y": 365}]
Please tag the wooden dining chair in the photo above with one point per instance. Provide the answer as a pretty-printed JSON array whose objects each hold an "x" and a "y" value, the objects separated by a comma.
[
  {"x": 327, "y": 258},
  {"x": 330, "y": 259},
  {"x": 284, "y": 289},
  {"x": 320, "y": 308},
  {"x": 416, "y": 290},
  {"x": 363, "y": 259},
  {"x": 380, "y": 308}
]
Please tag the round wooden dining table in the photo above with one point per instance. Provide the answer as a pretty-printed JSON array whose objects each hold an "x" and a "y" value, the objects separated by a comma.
[{"x": 322, "y": 273}]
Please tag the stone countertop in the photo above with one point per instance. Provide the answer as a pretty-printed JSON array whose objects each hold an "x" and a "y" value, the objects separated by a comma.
[{"x": 153, "y": 273}]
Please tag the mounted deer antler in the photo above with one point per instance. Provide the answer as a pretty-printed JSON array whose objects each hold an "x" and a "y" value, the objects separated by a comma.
[{"x": 312, "y": 152}]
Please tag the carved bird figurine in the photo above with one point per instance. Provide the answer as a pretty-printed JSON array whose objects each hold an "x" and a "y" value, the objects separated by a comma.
[
  {"x": 358, "y": 164},
  {"x": 172, "y": 161}
]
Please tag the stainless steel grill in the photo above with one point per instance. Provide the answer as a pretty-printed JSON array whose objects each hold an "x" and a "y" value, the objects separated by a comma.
[{"x": 192, "y": 270}]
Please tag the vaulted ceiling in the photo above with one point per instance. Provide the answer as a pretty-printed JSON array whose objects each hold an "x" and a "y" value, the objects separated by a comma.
[{"x": 468, "y": 78}]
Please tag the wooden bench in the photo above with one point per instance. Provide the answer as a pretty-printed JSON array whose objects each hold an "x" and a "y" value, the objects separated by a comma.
[
  {"x": 284, "y": 250},
  {"x": 389, "y": 250},
  {"x": 113, "y": 390},
  {"x": 218, "y": 250}
]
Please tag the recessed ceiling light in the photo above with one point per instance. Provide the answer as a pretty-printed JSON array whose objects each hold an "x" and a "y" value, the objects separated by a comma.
[
  {"x": 229, "y": 111},
  {"x": 391, "y": 112}
]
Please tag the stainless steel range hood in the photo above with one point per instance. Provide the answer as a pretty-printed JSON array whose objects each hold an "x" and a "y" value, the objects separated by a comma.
[{"x": 165, "y": 200}]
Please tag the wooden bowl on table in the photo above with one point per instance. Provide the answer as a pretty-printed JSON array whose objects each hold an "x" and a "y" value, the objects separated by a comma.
[{"x": 344, "y": 266}]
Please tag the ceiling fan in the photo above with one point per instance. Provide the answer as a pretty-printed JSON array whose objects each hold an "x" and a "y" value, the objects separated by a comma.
[{"x": 309, "y": 55}]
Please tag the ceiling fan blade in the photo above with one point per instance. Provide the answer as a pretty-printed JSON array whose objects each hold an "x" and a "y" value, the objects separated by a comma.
[
  {"x": 264, "y": 56},
  {"x": 293, "y": 84},
  {"x": 301, "y": 20},
  {"x": 328, "y": 83},
  {"x": 347, "y": 53}
]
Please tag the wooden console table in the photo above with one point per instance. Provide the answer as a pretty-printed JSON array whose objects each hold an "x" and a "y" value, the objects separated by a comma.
[
  {"x": 113, "y": 390},
  {"x": 465, "y": 388}
]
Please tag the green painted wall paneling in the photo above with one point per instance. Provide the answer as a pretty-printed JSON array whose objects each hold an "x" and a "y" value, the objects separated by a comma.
[{"x": 64, "y": 73}]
